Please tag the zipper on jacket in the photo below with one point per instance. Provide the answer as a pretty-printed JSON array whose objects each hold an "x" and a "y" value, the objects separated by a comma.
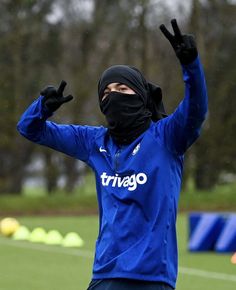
[{"x": 117, "y": 155}]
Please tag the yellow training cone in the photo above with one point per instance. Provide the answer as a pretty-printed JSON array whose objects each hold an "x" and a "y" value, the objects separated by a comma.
[
  {"x": 72, "y": 240},
  {"x": 38, "y": 235},
  {"x": 21, "y": 234},
  {"x": 53, "y": 238},
  {"x": 8, "y": 226}
]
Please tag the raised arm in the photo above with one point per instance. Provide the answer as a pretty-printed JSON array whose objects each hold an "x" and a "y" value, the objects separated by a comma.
[
  {"x": 75, "y": 141},
  {"x": 183, "y": 127}
]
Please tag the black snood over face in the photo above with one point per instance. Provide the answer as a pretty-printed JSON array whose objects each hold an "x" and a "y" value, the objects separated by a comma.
[{"x": 127, "y": 115}]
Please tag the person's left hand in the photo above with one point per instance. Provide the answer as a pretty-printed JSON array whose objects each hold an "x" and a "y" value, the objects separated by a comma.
[{"x": 184, "y": 45}]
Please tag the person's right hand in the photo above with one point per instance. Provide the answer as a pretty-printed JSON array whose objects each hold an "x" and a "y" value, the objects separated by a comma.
[{"x": 53, "y": 98}]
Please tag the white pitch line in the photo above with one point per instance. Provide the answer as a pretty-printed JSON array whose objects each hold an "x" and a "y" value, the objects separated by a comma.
[
  {"x": 90, "y": 255},
  {"x": 50, "y": 249},
  {"x": 207, "y": 274}
]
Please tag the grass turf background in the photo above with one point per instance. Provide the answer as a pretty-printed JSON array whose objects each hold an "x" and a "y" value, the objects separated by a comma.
[{"x": 26, "y": 265}]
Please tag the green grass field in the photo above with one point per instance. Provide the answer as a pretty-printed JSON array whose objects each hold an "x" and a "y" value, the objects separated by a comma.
[{"x": 29, "y": 266}]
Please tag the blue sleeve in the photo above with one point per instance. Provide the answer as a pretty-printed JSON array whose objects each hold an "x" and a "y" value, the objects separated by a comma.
[
  {"x": 73, "y": 140},
  {"x": 182, "y": 128}
]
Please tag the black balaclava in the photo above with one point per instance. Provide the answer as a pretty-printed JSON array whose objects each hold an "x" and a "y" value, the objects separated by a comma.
[{"x": 129, "y": 115}]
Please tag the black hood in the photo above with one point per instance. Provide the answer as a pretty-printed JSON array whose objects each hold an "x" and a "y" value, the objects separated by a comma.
[{"x": 151, "y": 94}]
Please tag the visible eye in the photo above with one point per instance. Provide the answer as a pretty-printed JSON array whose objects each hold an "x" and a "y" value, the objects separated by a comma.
[{"x": 123, "y": 88}]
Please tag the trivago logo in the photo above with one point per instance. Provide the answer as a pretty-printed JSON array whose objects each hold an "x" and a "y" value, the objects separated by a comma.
[{"x": 131, "y": 181}]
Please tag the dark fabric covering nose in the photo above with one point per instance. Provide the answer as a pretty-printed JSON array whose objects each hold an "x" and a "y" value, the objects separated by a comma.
[{"x": 126, "y": 115}]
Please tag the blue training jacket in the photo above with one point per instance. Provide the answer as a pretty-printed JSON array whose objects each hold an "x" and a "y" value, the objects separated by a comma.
[{"x": 137, "y": 185}]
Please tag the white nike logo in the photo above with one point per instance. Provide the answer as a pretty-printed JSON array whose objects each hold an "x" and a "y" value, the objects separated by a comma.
[
  {"x": 102, "y": 150},
  {"x": 136, "y": 149}
]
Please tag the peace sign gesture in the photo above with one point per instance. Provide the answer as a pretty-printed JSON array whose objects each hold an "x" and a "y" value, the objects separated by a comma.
[
  {"x": 183, "y": 44},
  {"x": 53, "y": 98}
]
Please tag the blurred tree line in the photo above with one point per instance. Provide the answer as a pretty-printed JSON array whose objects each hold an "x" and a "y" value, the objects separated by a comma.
[{"x": 44, "y": 41}]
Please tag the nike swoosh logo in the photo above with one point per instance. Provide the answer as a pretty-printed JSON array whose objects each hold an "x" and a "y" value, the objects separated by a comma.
[{"x": 102, "y": 150}]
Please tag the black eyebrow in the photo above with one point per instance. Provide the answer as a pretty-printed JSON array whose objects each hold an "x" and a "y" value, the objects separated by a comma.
[{"x": 118, "y": 84}]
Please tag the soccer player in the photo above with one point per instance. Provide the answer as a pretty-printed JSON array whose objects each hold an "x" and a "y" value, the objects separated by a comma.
[{"x": 137, "y": 160}]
